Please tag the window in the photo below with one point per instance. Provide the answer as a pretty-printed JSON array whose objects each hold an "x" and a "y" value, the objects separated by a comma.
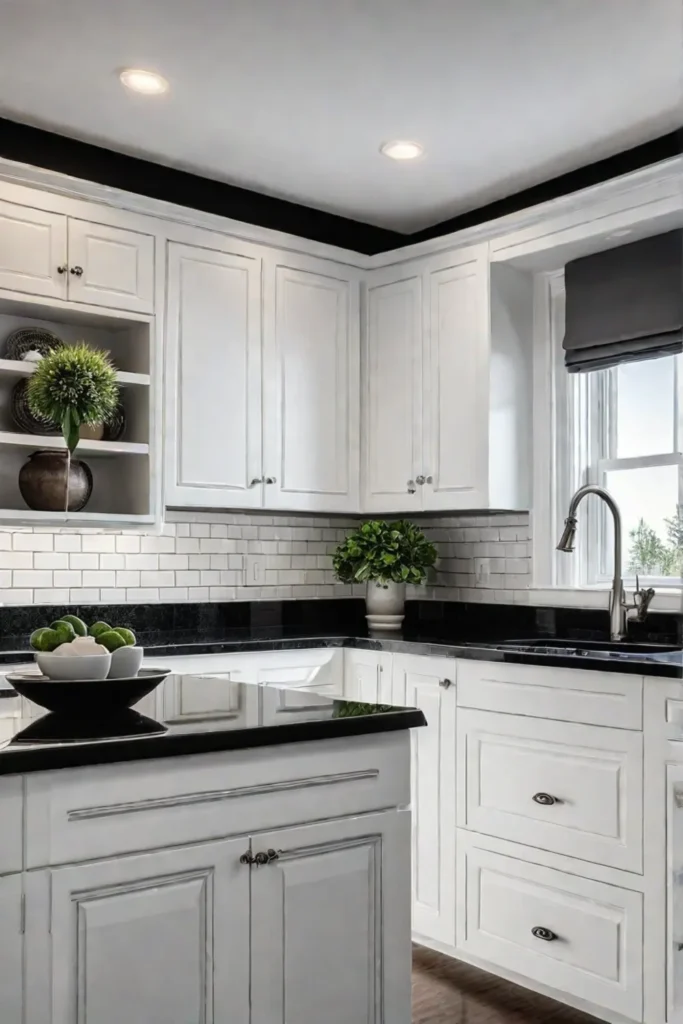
[{"x": 622, "y": 429}]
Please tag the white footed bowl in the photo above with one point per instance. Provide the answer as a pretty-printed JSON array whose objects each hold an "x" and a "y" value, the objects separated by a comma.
[
  {"x": 71, "y": 668},
  {"x": 126, "y": 662}
]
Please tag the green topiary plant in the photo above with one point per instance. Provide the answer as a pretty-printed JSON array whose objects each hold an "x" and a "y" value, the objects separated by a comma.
[
  {"x": 386, "y": 552},
  {"x": 71, "y": 386}
]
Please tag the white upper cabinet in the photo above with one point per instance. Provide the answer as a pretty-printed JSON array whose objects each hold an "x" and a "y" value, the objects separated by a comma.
[
  {"x": 456, "y": 388},
  {"x": 110, "y": 267},
  {"x": 392, "y": 421},
  {"x": 446, "y": 390},
  {"x": 57, "y": 256},
  {"x": 311, "y": 385},
  {"x": 33, "y": 255},
  {"x": 213, "y": 375}
]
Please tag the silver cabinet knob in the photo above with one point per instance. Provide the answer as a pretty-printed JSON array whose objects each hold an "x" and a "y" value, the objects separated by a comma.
[
  {"x": 411, "y": 487},
  {"x": 63, "y": 269},
  {"x": 257, "y": 480},
  {"x": 429, "y": 479},
  {"x": 543, "y": 933},
  {"x": 445, "y": 683},
  {"x": 271, "y": 480},
  {"x": 77, "y": 271},
  {"x": 545, "y": 799},
  {"x": 420, "y": 479}
]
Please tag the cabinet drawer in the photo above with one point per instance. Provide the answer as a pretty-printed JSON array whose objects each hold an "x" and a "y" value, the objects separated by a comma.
[
  {"x": 566, "y": 694},
  {"x": 84, "y": 813},
  {"x": 590, "y": 945},
  {"x": 11, "y": 831},
  {"x": 573, "y": 789}
]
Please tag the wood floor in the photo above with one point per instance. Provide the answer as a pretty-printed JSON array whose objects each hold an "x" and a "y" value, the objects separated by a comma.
[{"x": 446, "y": 991}]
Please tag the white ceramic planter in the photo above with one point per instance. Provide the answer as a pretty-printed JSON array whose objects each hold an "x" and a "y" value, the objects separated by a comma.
[{"x": 385, "y": 605}]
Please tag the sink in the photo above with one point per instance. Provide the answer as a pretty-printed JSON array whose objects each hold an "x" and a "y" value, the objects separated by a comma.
[{"x": 591, "y": 648}]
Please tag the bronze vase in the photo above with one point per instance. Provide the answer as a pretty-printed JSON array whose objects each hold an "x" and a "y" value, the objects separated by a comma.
[{"x": 42, "y": 482}]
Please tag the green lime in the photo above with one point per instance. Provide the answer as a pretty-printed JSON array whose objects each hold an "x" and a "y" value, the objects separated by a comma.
[
  {"x": 65, "y": 630},
  {"x": 35, "y": 638},
  {"x": 79, "y": 625},
  {"x": 127, "y": 634},
  {"x": 47, "y": 639},
  {"x": 111, "y": 640},
  {"x": 99, "y": 627}
]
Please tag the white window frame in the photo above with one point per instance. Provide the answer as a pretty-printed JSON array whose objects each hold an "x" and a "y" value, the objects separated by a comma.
[{"x": 570, "y": 434}]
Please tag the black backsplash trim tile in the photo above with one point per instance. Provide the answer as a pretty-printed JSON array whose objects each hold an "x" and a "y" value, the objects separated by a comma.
[{"x": 448, "y": 621}]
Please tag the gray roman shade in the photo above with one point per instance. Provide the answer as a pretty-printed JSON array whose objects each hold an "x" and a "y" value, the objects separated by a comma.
[{"x": 625, "y": 304}]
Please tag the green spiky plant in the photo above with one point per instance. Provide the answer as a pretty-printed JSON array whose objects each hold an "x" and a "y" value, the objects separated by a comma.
[
  {"x": 71, "y": 386},
  {"x": 385, "y": 552}
]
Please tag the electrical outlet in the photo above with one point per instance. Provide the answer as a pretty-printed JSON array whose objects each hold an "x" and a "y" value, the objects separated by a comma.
[
  {"x": 482, "y": 570},
  {"x": 255, "y": 571}
]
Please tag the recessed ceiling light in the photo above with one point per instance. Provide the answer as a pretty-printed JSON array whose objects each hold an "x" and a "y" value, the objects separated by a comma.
[
  {"x": 401, "y": 149},
  {"x": 147, "y": 82}
]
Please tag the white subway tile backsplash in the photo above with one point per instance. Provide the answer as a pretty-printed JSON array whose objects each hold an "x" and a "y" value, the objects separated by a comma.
[
  {"x": 50, "y": 560},
  {"x": 79, "y": 560},
  {"x": 33, "y": 541},
  {"x": 128, "y": 543},
  {"x": 200, "y": 557}
]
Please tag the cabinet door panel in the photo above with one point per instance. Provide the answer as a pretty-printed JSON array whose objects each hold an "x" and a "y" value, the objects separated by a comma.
[
  {"x": 393, "y": 395},
  {"x": 330, "y": 927},
  {"x": 159, "y": 937},
  {"x": 117, "y": 267},
  {"x": 32, "y": 246},
  {"x": 11, "y": 958},
  {"x": 572, "y": 789},
  {"x": 214, "y": 379},
  {"x": 433, "y": 793},
  {"x": 368, "y": 677},
  {"x": 312, "y": 369},
  {"x": 456, "y": 399}
]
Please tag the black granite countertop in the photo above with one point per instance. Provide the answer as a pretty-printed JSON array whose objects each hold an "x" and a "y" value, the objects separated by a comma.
[
  {"x": 478, "y": 632},
  {"x": 257, "y": 716}
]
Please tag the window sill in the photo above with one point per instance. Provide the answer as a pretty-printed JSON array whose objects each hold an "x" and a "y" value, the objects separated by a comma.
[{"x": 670, "y": 600}]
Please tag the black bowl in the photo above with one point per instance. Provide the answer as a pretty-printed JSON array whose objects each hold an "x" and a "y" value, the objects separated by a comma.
[{"x": 87, "y": 698}]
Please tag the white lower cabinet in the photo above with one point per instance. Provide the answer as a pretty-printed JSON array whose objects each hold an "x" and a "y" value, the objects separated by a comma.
[
  {"x": 674, "y": 893},
  {"x": 325, "y": 901},
  {"x": 11, "y": 955},
  {"x": 428, "y": 683},
  {"x": 368, "y": 677},
  {"x": 577, "y": 936},
  {"x": 161, "y": 937}
]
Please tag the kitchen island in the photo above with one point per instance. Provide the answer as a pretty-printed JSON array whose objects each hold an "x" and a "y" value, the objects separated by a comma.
[{"x": 246, "y": 864}]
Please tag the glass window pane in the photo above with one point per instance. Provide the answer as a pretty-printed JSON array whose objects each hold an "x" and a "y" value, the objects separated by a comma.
[
  {"x": 645, "y": 407},
  {"x": 652, "y": 521}
]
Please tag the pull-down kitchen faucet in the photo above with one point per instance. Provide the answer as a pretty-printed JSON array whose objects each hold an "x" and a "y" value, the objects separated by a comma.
[{"x": 619, "y": 608}]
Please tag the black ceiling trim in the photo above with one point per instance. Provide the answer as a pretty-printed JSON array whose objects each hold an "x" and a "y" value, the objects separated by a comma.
[
  {"x": 94, "y": 163},
  {"x": 54, "y": 152},
  {"x": 662, "y": 148}
]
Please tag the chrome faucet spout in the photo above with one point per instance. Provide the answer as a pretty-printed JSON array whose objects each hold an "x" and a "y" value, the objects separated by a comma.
[{"x": 618, "y": 607}]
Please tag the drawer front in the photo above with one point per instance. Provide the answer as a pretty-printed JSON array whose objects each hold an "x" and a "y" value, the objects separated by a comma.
[
  {"x": 573, "y": 789},
  {"x": 11, "y": 831},
  {"x": 85, "y": 813},
  {"x": 590, "y": 939},
  {"x": 565, "y": 694}
]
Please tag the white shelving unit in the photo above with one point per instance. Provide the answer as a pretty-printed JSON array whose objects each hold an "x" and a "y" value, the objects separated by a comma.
[{"x": 123, "y": 471}]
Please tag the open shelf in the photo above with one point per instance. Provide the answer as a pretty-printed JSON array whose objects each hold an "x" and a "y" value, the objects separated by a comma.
[
  {"x": 124, "y": 472},
  {"x": 17, "y": 368},
  {"x": 15, "y": 442}
]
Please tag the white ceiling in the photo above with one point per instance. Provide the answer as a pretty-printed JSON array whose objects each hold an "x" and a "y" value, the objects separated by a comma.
[{"x": 294, "y": 97}]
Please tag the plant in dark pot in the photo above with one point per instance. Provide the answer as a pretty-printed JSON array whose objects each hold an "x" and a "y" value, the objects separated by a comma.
[
  {"x": 385, "y": 556},
  {"x": 71, "y": 386}
]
